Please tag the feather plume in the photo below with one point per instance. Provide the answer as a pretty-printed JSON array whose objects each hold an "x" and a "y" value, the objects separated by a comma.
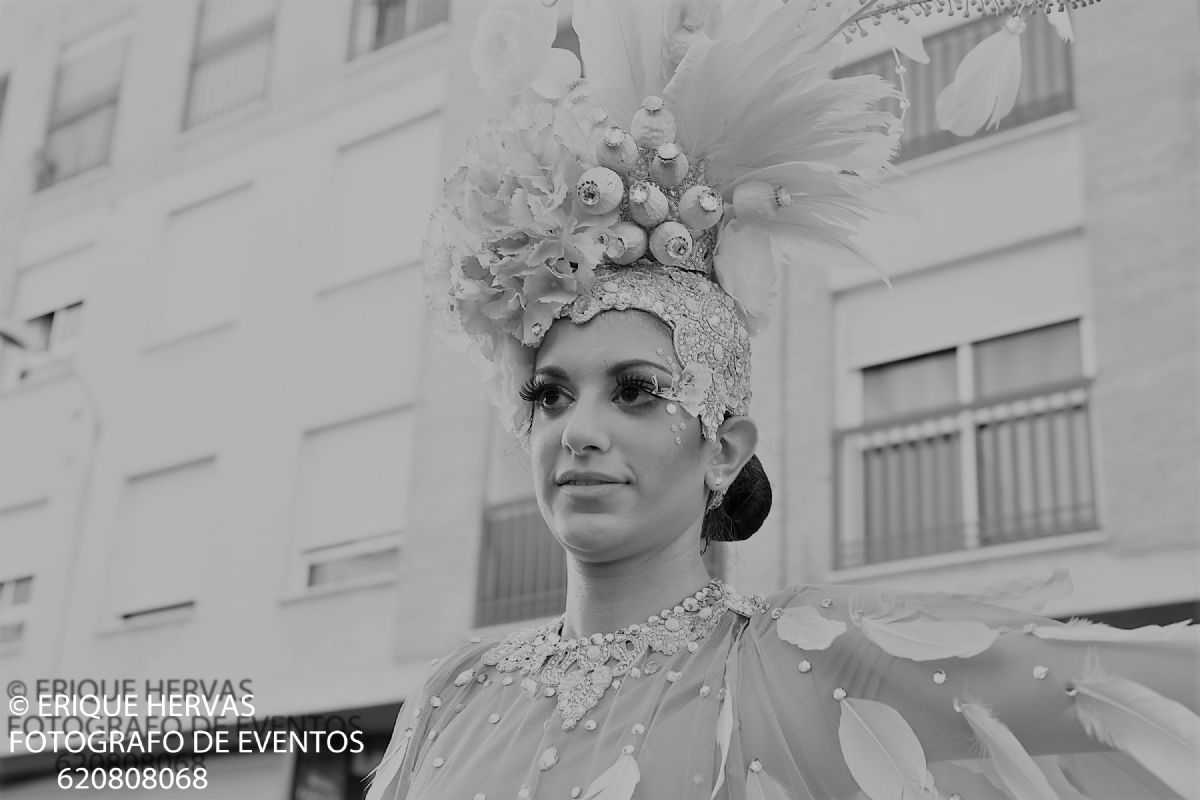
[
  {"x": 1019, "y": 776},
  {"x": 724, "y": 737},
  {"x": 1024, "y": 594},
  {"x": 1112, "y": 775},
  {"x": 1084, "y": 630},
  {"x": 617, "y": 782},
  {"x": 1159, "y": 733},
  {"x": 902, "y": 633},
  {"x": 621, "y": 45},
  {"x": 385, "y": 771},
  {"x": 761, "y": 786},
  {"x": 1061, "y": 21},
  {"x": 804, "y": 627},
  {"x": 882, "y": 753},
  {"x": 985, "y": 85},
  {"x": 745, "y": 267}
]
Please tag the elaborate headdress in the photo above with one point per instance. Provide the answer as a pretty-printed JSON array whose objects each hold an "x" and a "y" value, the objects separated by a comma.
[{"x": 707, "y": 144}]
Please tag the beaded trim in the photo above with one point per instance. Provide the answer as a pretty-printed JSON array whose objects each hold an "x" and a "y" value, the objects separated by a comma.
[{"x": 578, "y": 672}]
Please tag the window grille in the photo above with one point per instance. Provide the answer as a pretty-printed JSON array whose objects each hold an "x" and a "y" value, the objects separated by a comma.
[
  {"x": 378, "y": 23},
  {"x": 231, "y": 58},
  {"x": 82, "y": 116},
  {"x": 1046, "y": 83},
  {"x": 522, "y": 570},
  {"x": 1010, "y": 462}
]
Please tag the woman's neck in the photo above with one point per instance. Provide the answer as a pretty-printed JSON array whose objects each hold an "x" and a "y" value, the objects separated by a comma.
[{"x": 602, "y": 598}]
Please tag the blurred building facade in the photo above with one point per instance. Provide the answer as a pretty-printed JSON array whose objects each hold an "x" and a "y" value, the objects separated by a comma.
[{"x": 234, "y": 448}]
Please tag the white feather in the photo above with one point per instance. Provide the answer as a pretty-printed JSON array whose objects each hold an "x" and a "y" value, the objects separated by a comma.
[
  {"x": 724, "y": 736},
  {"x": 1159, "y": 733},
  {"x": 1062, "y": 23},
  {"x": 1059, "y": 782},
  {"x": 761, "y": 786},
  {"x": 745, "y": 268},
  {"x": 922, "y": 639},
  {"x": 621, "y": 45},
  {"x": 1025, "y": 594},
  {"x": 985, "y": 85},
  {"x": 617, "y": 782},
  {"x": 882, "y": 753},
  {"x": 1018, "y": 774},
  {"x": 804, "y": 627},
  {"x": 1085, "y": 630}
]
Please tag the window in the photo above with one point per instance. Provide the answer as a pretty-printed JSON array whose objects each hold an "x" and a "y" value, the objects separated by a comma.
[
  {"x": 231, "y": 57},
  {"x": 1046, "y": 85},
  {"x": 329, "y": 775},
  {"x": 15, "y": 594},
  {"x": 3, "y": 96},
  {"x": 944, "y": 463},
  {"x": 82, "y": 116},
  {"x": 522, "y": 570},
  {"x": 377, "y": 23}
]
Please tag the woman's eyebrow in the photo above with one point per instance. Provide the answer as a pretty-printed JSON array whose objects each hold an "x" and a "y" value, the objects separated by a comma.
[{"x": 615, "y": 369}]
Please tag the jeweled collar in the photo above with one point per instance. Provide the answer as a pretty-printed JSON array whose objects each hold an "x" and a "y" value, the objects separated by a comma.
[{"x": 578, "y": 671}]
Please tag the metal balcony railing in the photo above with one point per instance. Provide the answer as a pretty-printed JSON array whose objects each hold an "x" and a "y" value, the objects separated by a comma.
[
  {"x": 522, "y": 571},
  {"x": 378, "y": 23},
  {"x": 80, "y": 132},
  {"x": 230, "y": 64},
  {"x": 1046, "y": 82},
  {"x": 1006, "y": 469}
]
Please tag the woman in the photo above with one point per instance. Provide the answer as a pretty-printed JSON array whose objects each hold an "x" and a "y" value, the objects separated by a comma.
[{"x": 610, "y": 257}]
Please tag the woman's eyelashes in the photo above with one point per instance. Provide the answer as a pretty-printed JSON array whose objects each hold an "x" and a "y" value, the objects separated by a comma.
[{"x": 630, "y": 391}]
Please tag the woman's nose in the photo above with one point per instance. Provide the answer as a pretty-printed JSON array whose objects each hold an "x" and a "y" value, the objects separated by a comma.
[{"x": 585, "y": 429}]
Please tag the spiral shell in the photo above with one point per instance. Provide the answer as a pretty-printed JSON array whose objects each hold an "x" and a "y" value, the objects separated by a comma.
[
  {"x": 600, "y": 190},
  {"x": 669, "y": 166},
  {"x": 671, "y": 243},
  {"x": 700, "y": 208},
  {"x": 653, "y": 125},
  {"x": 616, "y": 150},
  {"x": 627, "y": 243},
  {"x": 648, "y": 205},
  {"x": 757, "y": 201}
]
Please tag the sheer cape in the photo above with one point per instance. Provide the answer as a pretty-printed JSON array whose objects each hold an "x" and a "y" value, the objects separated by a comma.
[{"x": 829, "y": 693}]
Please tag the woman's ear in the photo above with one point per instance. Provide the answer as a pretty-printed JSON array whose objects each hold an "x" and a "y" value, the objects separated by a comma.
[{"x": 737, "y": 439}]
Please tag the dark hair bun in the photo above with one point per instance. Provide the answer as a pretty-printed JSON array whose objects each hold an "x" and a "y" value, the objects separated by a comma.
[{"x": 745, "y": 508}]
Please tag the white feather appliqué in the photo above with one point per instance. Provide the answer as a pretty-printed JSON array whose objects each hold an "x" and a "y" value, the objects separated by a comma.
[
  {"x": 804, "y": 627},
  {"x": 1018, "y": 773},
  {"x": 903, "y": 634},
  {"x": 985, "y": 86},
  {"x": 1084, "y": 630},
  {"x": 617, "y": 782},
  {"x": 882, "y": 753},
  {"x": 1159, "y": 733}
]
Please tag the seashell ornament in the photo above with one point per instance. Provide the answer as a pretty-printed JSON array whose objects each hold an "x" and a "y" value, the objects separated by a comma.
[
  {"x": 700, "y": 208},
  {"x": 648, "y": 206},
  {"x": 759, "y": 201},
  {"x": 653, "y": 125},
  {"x": 670, "y": 165},
  {"x": 626, "y": 243},
  {"x": 617, "y": 151},
  {"x": 600, "y": 190},
  {"x": 671, "y": 243}
]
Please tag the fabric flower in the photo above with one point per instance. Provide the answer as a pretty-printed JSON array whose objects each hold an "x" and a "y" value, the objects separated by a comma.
[{"x": 512, "y": 40}]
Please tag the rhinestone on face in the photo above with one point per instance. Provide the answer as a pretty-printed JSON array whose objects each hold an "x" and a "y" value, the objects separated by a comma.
[
  {"x": 826, "y": 603},
  {"x": 1040, "y": 672},
  {"x": 939, "y": 677},
  {"x": 639, "y": 729},
  {"x": 439, "y": 761},
  {"x": 480, "y": 796},
  {"x": 536, "y": 328},
  {"x": 756, "y": 766},
  {"x": 672, "y": 408},
  {"x": 804, "y": 666},
  {"x": 575, "y": 792},
  {"x": 483, "y": 679},
  {"x": 839, "y": 693},
  {"x": 493, "y": 719}
]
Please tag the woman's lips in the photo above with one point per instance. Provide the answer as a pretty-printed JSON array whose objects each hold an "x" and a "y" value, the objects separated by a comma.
[{"x": 589, "y": 488}]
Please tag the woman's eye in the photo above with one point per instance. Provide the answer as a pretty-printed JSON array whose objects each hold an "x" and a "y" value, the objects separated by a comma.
[
  {"x": 635, "y": 392},
  {"x": 550, "y": 397}
]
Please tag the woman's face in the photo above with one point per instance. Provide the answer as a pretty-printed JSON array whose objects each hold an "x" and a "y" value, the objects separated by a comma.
[{"x": 611, "y": 478}]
